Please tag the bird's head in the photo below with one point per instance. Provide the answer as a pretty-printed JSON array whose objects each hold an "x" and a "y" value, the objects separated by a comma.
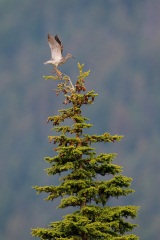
[{"x": 70, "y": 56}]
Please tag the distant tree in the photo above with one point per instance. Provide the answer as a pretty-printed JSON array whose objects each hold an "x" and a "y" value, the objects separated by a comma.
[{"x": 80, "y": 185}]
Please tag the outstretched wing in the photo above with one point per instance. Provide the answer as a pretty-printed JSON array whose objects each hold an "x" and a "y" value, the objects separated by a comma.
[
  {"x": 59, "y": 41},
  {"x": 55, "y": 47}
]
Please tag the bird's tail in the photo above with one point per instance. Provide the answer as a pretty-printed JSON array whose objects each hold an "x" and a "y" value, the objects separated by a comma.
[{"x": 48, "y": 62}]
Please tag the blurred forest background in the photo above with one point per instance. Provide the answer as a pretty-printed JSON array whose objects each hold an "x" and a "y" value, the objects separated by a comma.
[{"x": 119, "y": 41}]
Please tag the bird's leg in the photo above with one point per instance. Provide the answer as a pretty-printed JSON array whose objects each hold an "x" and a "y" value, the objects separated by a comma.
[{"x": 58, "y": 72}]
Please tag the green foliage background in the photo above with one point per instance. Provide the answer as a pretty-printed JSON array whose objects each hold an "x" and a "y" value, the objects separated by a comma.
[{"x": 119, "y": 41}]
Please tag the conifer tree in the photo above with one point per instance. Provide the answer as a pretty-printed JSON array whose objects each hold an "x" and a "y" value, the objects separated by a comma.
[{"x": 79, "y": 185}]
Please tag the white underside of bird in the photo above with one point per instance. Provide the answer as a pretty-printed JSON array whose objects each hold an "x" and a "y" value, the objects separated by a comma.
[{"x": 54, "y": 62}]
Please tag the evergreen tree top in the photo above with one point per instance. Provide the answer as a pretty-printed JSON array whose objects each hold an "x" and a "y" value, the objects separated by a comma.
[{"x": 81, "y": 185}]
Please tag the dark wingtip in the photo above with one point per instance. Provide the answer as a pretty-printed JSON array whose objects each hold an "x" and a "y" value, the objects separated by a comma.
[
  {"x": 59, "y": 42},
  {"x": 57, "y": 39}
]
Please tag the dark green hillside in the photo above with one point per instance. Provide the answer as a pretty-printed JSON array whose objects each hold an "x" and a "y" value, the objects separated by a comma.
[{"x": 120, "y": 42}]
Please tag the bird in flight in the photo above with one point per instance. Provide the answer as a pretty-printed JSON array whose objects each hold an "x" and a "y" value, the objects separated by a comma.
[{"x": 56, "y": 53}]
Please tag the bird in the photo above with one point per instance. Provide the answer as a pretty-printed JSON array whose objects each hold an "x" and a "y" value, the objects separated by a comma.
[{"x": 56, "y": 47}]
